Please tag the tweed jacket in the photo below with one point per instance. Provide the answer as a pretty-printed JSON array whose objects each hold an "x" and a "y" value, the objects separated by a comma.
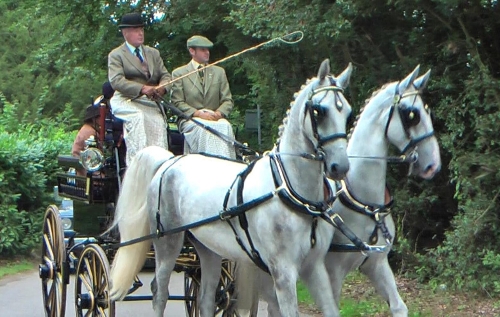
[
  {"x": 126, "y": 73},
  {"x": 189, "y": 95}
]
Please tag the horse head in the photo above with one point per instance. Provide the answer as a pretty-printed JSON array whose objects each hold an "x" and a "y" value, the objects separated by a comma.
[
  {"x": 323, "y": 113},
  {"x": 409, "y": 125}
]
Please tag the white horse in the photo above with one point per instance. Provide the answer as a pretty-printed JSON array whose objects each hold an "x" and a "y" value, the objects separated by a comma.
[
  {"x": 276, "y": 199},
  {"x": 395, "y": 114}
]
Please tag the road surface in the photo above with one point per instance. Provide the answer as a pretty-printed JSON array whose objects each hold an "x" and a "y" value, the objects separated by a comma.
[{"x": 21, "y": 296}]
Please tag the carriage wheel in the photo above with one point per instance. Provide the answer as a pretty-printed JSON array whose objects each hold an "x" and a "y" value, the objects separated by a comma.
[
  {"x": 192, "y": 281},
  {"x": 92, "y": 284},
  {"x": 52, "y": 270},
  {"x": 225, "y": 289}
]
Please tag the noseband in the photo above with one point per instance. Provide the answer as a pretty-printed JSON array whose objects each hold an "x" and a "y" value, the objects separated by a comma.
[{"x": 409, "y": 117}]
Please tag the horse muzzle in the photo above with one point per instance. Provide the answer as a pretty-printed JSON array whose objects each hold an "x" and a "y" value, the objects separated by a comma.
[{"x": 338, "y": 170}]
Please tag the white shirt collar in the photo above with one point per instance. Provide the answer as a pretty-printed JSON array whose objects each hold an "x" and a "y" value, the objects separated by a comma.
[
  {"x": 195, "y": 64},
  {"x": 132, "y": 48}
]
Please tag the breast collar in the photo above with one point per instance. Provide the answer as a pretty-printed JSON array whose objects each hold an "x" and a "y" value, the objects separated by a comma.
[
  {"x": 290, "y": 197},
  {"x": 376, "y": 212}
]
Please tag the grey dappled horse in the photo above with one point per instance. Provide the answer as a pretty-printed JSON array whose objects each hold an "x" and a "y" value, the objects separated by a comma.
[
  {"x": 397, "y": 115},
  {"x": 162, "y": 192}
]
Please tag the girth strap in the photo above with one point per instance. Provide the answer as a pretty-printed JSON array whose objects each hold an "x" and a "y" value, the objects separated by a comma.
[{"x": 253, "y": 253}]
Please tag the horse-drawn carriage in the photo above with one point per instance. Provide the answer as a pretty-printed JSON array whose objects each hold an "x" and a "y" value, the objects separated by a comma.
[
  {"x": 80, "y": 246},
  {"x": 274, "y": 207}
]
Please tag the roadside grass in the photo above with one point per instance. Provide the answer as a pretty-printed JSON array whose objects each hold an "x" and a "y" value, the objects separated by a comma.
[
  {"x": 359, "y": 299},
  {"x": 9, "y": 266},
  {"x": 353, "y": 303}
]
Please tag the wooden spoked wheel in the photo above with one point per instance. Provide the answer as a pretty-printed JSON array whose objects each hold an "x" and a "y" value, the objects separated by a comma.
[
  {"x": 192, "y": 281},
  {"x": 52, "y": 270},
  {"x": 92, "y": 296},
  {"x": 225, "y": 289}
]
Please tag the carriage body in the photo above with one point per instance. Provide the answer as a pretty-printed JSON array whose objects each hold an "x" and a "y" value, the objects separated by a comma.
[{"x": 74, "y": 235}]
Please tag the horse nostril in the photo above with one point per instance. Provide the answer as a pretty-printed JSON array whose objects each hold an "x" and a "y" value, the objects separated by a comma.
[
  {"x": 433, "y": 167},
  {"x": 334, "y": 167}
]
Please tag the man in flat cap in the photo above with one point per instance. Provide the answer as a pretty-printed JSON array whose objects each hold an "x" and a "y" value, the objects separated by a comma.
[
  {"x": 135, "y": 71},
  {"x": 205, "y": 96}
]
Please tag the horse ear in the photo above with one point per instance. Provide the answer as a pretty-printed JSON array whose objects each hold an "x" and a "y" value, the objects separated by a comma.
[
  {"x": 344, "y": 77},
  {"x": 324, "y": 69},
  {"x": 421, "y": 82},
  {"x": 403, "y": 84}
]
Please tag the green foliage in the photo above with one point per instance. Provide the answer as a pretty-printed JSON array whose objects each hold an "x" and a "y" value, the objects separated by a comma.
[
  {"x": 55, "y": 62},
  {"x": 28, "y": 164}
]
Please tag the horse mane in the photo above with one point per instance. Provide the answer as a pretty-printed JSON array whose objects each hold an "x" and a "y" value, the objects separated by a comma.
[
  {"x": 282, "y": 126},
  {"x": 363, "y": 108}
]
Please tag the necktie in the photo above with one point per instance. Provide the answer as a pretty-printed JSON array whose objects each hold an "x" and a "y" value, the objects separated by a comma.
[
  {"x": 201, "y": 73},
  {"x": 138, "y": 54}
]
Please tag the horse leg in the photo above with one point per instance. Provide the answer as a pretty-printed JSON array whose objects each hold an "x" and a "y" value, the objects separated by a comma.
[
  {"x": 378, "y": 270},
  {"x": 210, "y": 263},
  {"x": 167, "y": 249},
  {"x": 338, "y": 265},
  {"x": 285, "y": 285},
  {"x": 268, "y": 295},
  {"x": 315, "y": 276},
  {"x": 247, "y": 289}
]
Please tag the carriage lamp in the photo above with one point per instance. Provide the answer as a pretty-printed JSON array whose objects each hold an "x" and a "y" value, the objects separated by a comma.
[
  {"x": 92, "y": 159},
  {"x": 67, "y": 224}
]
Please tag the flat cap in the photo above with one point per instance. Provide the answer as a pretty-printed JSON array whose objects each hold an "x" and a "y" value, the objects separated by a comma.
[{"x": 199, "y": 41}]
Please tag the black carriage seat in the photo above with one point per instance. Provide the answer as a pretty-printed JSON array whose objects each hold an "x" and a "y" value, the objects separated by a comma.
[
  {"x": 175, "y": 141},
  {"x": 114, "y": 135}
]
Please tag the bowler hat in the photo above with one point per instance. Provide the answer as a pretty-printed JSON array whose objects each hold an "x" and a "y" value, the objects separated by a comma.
[
  {"x": 199, "y": 41},
  {"x": 91, "y": 112},
  {"x": 131, "y": 20}
]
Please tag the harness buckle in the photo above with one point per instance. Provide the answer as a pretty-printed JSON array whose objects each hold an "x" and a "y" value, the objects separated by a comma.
[
  {"x": 336, "y": 216},
  {"x": 223, "y": 215}
]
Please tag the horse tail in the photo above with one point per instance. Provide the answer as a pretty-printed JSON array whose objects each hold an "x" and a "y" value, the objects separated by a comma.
[
  {"x": 131, "y": 217},
  {"x": 246, "y": 289}
]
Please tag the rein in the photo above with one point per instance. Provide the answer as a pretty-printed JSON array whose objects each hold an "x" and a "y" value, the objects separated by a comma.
[{"x": 411, "y": 158}]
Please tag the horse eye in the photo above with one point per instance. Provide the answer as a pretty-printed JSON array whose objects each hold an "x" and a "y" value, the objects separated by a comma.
[{"x": 319, "y": 111}]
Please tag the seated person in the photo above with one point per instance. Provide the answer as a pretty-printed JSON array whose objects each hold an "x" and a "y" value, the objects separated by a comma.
[
  {"x": 90, "y": 124},
  {"x": 138, "y": 74},
  {"x": 204, "y": 96}
]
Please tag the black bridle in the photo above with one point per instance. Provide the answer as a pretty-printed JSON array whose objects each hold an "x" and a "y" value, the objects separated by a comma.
[
  {"x": 410, "y": 116},
  {"x": 316, "y": 110}
]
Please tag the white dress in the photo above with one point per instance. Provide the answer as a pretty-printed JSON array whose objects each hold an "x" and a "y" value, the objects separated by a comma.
[
  {"x": 143, "y": 123},
  {"x": 199, "y": 140}
]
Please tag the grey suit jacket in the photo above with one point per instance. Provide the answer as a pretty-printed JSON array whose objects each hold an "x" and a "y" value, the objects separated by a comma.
[
  {"x": 126, "y": 73},
  {"x": 189, "y": 95}
]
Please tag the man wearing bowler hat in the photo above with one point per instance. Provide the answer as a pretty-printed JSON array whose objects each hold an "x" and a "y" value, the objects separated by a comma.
[
  {"x": 204, "y": 96},
  {"x": 135, "y": 71}
]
